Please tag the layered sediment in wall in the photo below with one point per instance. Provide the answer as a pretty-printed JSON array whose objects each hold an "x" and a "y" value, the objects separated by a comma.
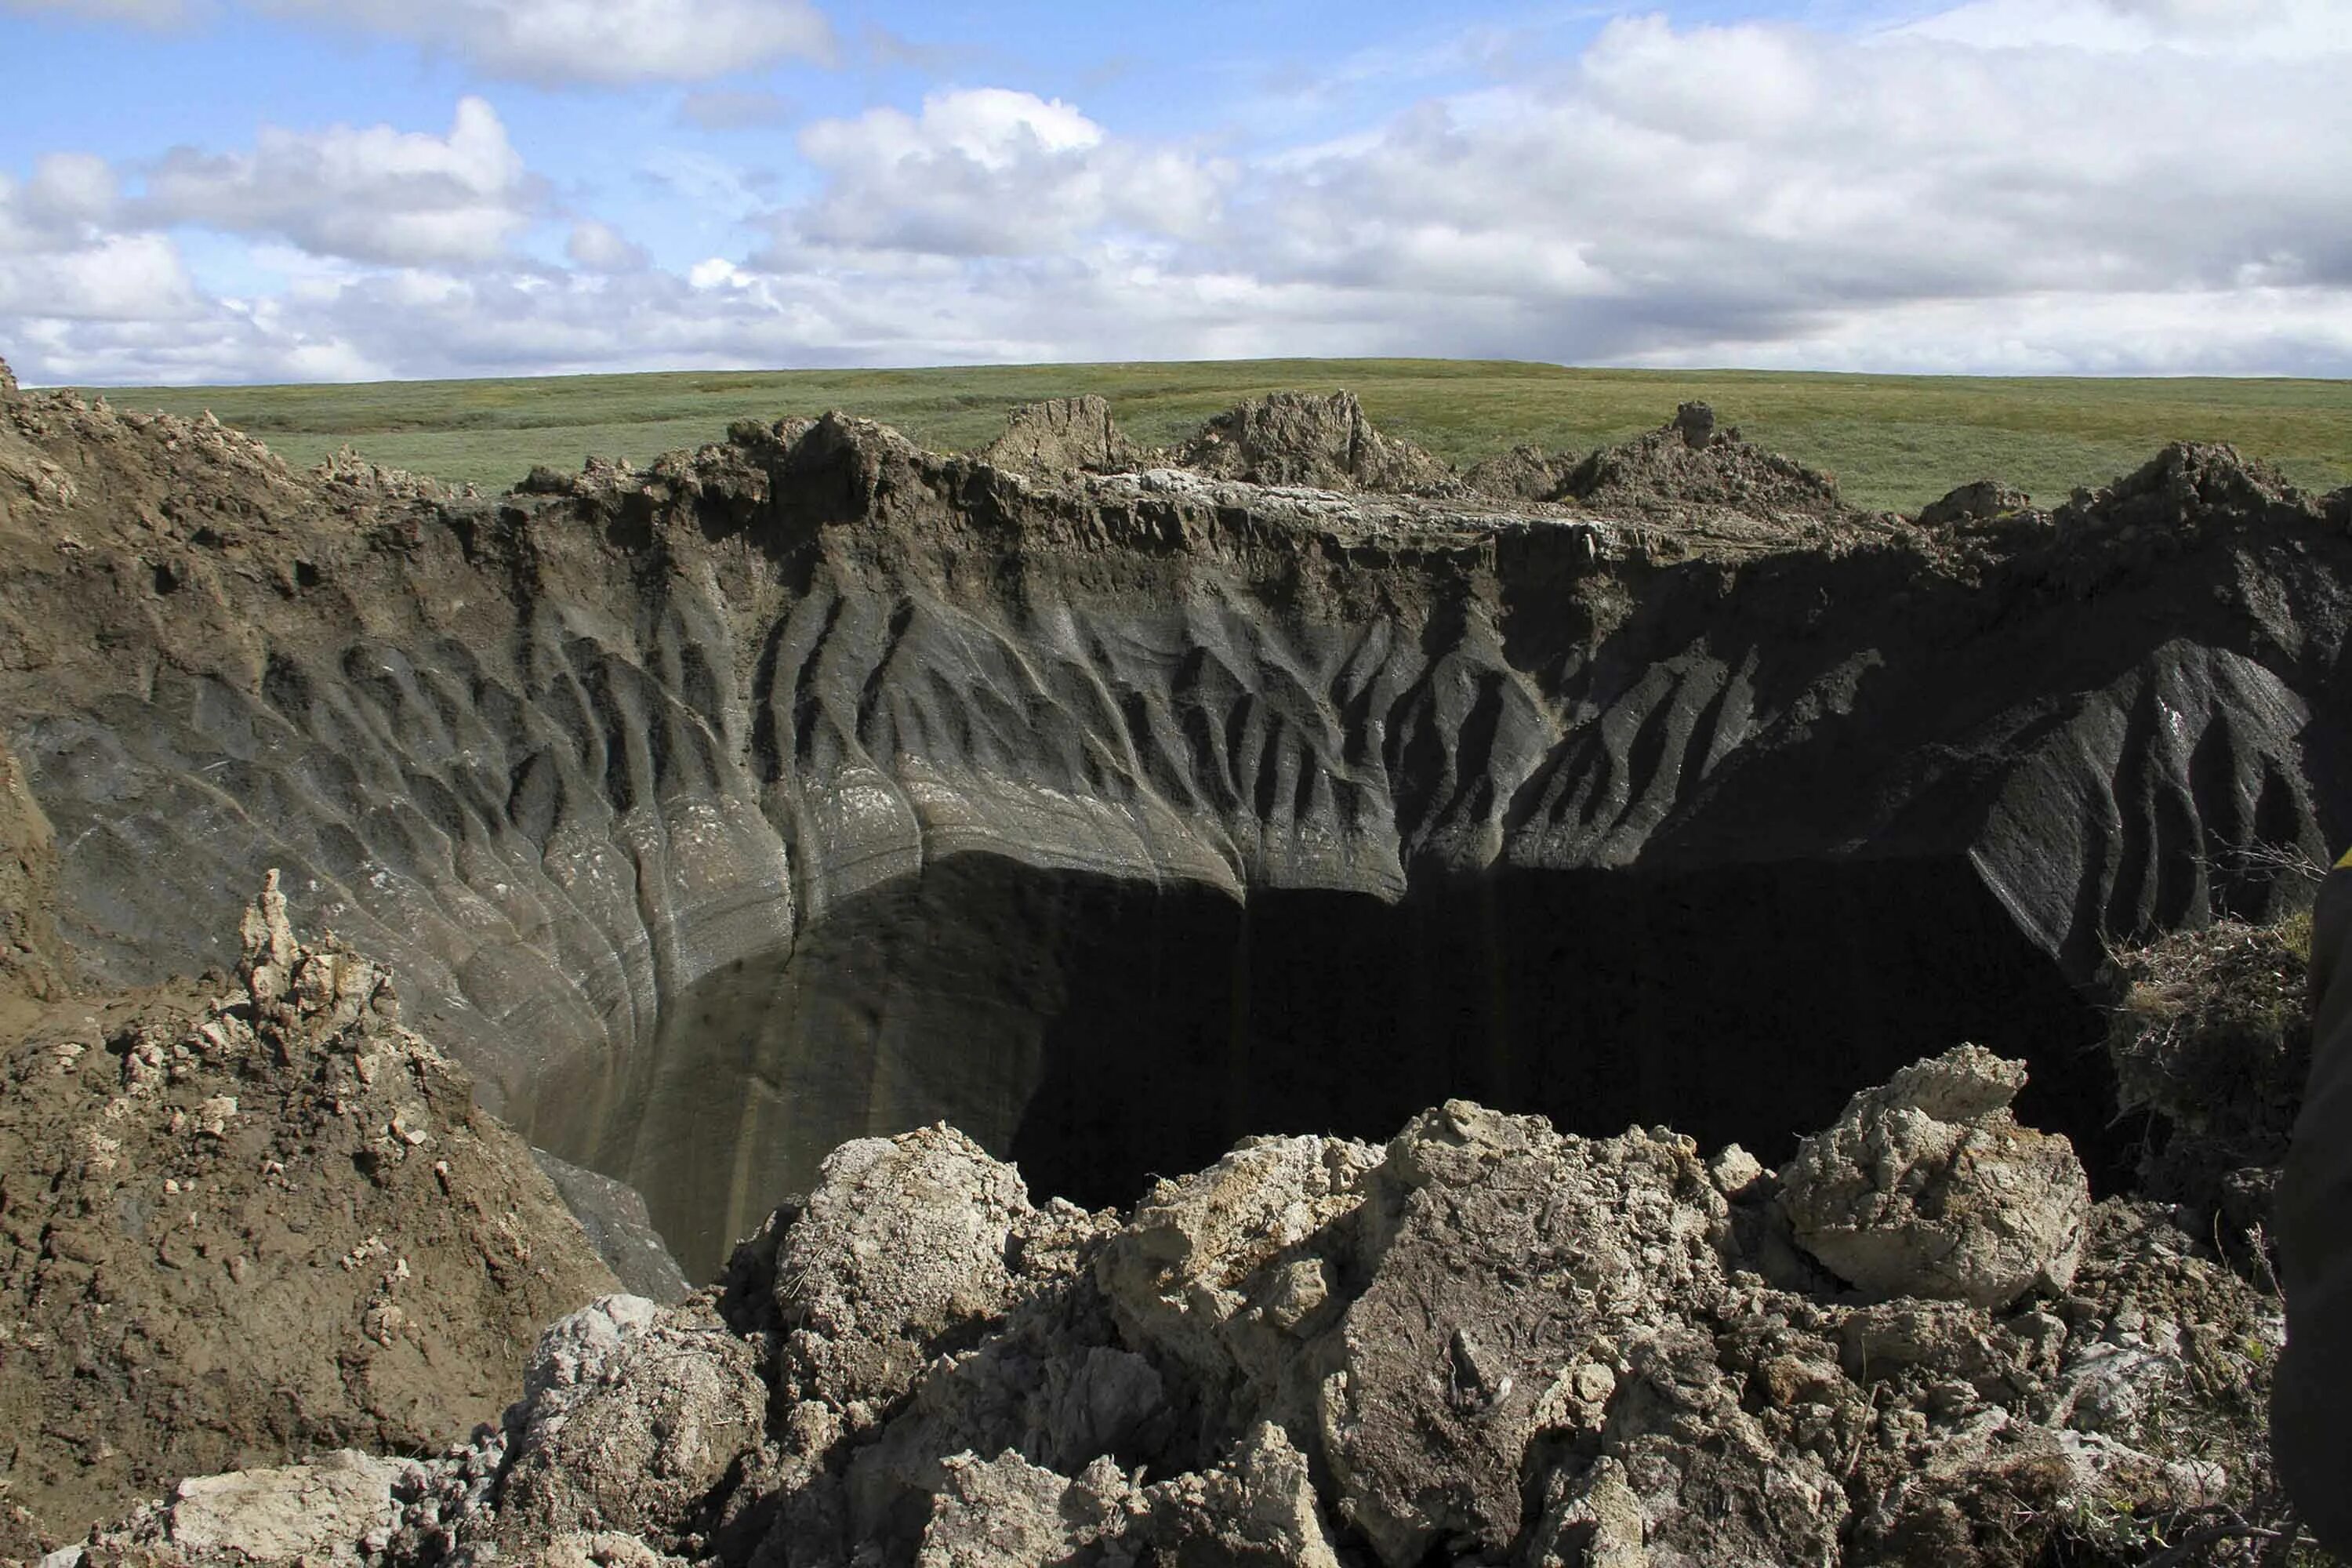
[{"x": 813, "y": 786}]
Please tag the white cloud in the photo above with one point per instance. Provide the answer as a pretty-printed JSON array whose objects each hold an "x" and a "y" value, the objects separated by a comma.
[
  {"x": 1928, "y": 198},
  {"x": 600, "y": 41},
  {"x": 2278, "y": 29},
  {"x": 601, "y": 248},
  {"x": 374, "y": 194},
  {"x": 1735, "y": 185},
  {"x": 121, "y": 278},
  {"x": 990, "y": 172},
  {"x": 62, "y": 206}
]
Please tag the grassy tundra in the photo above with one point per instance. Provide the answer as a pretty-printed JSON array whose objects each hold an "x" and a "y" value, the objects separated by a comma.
[{"x": 1893, "y": 441}]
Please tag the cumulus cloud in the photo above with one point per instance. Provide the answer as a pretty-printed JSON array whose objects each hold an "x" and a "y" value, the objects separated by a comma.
[
  {"x": 990, "y": 172},
  {"x": 596, "y": 41},
  {"x": 1718, "y": 188},
  {"x": 2259, "y": 28},
  {"x": 119, "y": 278},
  {"x": 62, "y": 206},
  {"x": 372, "y": 194},
  {"x": 601, "y": 248},
  {"x": 2168, "y": 194}
]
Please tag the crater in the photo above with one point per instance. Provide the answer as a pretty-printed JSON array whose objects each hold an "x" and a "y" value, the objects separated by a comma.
[
  {"x": 812, "y": 786},
  {"x": 1099, "y": 1031}
]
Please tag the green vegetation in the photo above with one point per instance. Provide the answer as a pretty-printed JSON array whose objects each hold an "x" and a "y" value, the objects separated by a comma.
[{"x": 1893, "y": 441}]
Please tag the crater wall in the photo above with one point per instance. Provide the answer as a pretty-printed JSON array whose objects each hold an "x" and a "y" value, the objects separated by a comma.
[{"x": 813, "y": 786}]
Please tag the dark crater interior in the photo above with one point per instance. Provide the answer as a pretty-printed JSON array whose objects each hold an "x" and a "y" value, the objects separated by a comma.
[{"x": 1099, "y": 1031}]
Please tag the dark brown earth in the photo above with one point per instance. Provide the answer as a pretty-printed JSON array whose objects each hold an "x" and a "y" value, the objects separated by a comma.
[{"x": 248, "y": 1217}]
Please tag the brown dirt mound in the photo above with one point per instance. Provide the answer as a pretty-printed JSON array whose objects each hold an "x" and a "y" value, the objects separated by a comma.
[
  {"x": 1523, "y": 473},
  {"x": 237, "y": 1228},
  {"x": 1299, "y": 438},
  {"x": 1063, "y": 435},
  {"x": 1980, "y": 500},
  {"x": 2187, "y": 483},
  {"x": 1688, "y": 463}
]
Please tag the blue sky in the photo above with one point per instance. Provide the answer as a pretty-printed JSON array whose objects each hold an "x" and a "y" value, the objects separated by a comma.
[{"x": 216, "y": 190}]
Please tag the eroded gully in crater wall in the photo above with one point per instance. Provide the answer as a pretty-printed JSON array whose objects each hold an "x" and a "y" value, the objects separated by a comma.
[{"x": 1099, "y": 1030}]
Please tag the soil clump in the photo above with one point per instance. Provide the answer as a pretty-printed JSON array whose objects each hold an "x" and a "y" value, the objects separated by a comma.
[
  {"x": 1063, "y": 435},
  {"x": 1325, "y": 443},
  {"x": 1690, "y": 464}
]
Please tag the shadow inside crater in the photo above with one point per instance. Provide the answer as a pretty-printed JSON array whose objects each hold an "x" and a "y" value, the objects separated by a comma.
[{"x": 1099, "y": 1031}]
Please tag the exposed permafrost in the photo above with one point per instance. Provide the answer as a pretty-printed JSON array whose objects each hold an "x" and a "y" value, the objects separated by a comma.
[{"x": 575, "y": 760}]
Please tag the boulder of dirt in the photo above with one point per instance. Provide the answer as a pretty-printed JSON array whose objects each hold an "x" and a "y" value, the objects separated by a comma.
[
  {"x": 1691, "y": 465},
  {"x": 252, "y": 1222},
  {"x": 1255, "y": 1508},
  {"x": 2188, "y": 485},
  {"x": 7, "y": 381},
  {"x": 632, "y": 1418},
  {"x": 906, "y": 1244},
  {"x": 1927, "y": 1186},
  {"x": 1450, "y": 1364},
  {"x": 1299, "y": 439},
  {"x": 1741, "y": 1494},
  {"x": 1979, "y": 500},
  {"x": 339, "y": 1508},
  {"x": 1006, "y": 1513},
  {"x": 1523, "y": 473},
  {"x": 345, "y": 467},
  {"x": 1217, "y": 1274},
  {"x": 1694, "y": 423},
  {"x": 1063, "y": 435}
]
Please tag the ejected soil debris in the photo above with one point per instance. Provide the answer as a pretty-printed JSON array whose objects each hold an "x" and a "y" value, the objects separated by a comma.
[
  {"x": 1523, "y": 473},
  {"x": 1296, "y": 438},
  {"x": 1485, "y": 1338},
  {"x": 1690, "y": 464},
  {"x": 1979, "y": 500},
  {"x": 1929, "y": 1187},
  {"x": 253, "y": 1218},
  {"x": 1063, "y": 435}
]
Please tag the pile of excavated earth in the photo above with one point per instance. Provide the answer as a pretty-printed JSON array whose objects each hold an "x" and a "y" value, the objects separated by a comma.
[
  {"x": 1921, "y": 1341},
  {"x": 648, "y": 800}
]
